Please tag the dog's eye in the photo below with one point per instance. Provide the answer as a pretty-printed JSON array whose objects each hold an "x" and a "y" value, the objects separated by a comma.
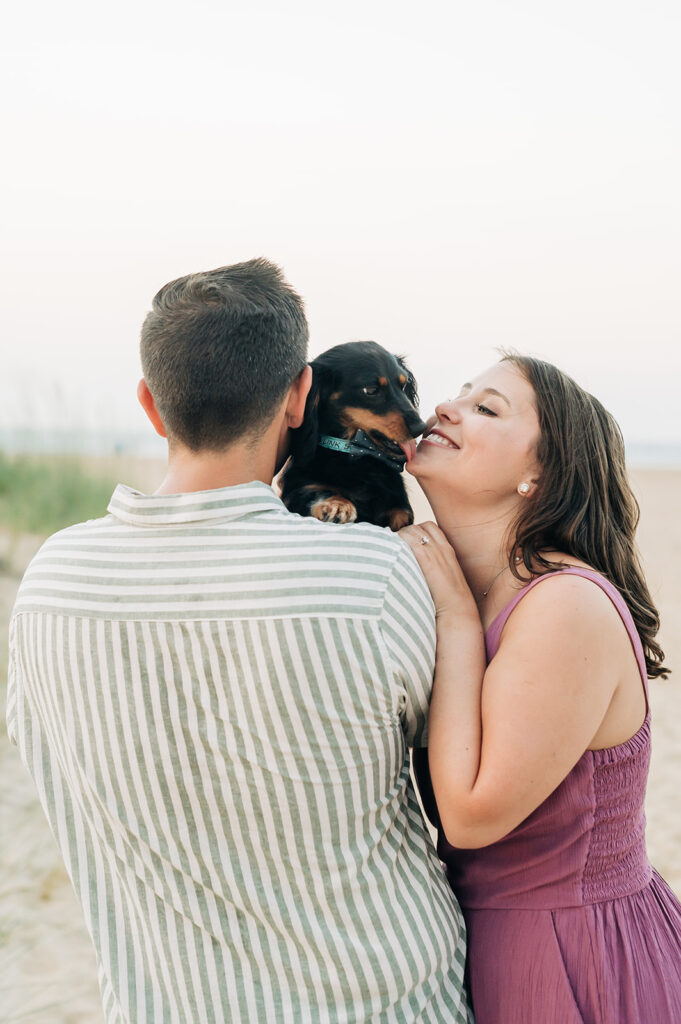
[{"x": 372, "y": 389}]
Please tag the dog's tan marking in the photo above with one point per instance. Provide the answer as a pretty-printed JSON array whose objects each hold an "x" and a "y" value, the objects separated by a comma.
[
  {"x": 399, "y": 517},
  {"x": 393, "y": 425},
  {"x": 335, "y": 509},
  {"x": 402, "y": 379},
  {"x": 335, "y": 396},
  {"x": 383, "y": 381}
]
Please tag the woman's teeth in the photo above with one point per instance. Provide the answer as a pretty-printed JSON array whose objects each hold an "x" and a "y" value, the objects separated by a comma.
[{"x": 439, "y": 439}]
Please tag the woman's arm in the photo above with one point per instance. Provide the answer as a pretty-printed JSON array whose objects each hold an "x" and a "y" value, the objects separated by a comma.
[{"x": 501, "y": 740}]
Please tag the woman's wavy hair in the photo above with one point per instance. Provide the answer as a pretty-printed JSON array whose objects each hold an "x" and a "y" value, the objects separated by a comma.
[{"x": 584, "y": 505}]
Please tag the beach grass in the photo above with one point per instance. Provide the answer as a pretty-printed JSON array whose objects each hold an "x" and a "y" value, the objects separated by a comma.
[{"x": 40, "y": 495}]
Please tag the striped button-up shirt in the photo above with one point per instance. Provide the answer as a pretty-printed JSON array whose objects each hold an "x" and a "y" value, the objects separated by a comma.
[{"x": 215, "y": 698}]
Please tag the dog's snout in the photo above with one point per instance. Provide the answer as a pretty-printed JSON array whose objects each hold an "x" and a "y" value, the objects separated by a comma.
[{"x": 415, "y": 425}]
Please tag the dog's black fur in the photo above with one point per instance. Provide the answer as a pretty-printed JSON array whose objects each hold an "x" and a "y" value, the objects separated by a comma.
[{"x": 358, "y": 386}]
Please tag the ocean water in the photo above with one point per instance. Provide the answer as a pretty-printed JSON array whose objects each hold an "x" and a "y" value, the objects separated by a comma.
[
  {"x": 25, "y": 441},
  {"x": 147, "y": 444},
  {"x": 652, "y": 455}
]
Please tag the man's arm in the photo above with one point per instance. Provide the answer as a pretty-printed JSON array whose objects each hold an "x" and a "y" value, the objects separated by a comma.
[
  {"x": 12, "y": 682},
  {"x": 408, "y": 628}
]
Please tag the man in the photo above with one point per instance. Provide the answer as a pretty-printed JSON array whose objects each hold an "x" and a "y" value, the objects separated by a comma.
[{"x": 215, "y": 699}]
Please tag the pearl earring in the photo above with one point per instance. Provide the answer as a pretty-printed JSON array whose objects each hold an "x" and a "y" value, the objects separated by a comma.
[{"x": 523, "y": 488}]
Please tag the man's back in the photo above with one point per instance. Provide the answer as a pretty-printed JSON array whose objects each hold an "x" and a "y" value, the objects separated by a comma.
[{"x": 215, "y": 697}]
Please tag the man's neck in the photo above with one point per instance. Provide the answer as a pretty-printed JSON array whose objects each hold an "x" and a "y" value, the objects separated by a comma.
[{"x": 207, "y": 470}]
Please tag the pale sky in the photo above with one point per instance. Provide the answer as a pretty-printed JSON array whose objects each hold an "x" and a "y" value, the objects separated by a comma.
[{"x": 442, "y": 177}]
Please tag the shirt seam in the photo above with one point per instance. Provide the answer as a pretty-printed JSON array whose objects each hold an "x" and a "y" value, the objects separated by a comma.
[{"x": 396, "y": 718}]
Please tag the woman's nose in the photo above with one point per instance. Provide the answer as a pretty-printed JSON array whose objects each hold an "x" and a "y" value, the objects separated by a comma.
[{"x": 448, "y": 410}]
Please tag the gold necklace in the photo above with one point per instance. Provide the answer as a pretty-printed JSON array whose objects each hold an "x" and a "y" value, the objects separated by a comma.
[{"x": 495, "y": 578}]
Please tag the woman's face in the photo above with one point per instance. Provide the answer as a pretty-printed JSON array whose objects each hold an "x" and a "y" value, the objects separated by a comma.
[{"x": 482, "y": 444}]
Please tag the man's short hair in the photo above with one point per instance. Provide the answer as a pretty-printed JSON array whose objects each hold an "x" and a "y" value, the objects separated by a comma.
[{"x": 220, "y": 349}]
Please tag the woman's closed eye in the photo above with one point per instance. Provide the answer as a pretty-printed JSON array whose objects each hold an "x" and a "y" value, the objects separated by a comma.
[{"x": 484, "y": 410}]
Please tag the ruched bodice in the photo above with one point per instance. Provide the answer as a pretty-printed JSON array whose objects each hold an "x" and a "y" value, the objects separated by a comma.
[
  {"x": 584, "y": 844},
  {"x": 567, "y": 920}
]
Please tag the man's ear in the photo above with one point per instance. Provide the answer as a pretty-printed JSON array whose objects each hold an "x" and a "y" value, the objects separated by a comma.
[
  {"x": 304, "y": 437},
  {"x": 147, "y": 402},
  {"x": 295, "y": 407}
]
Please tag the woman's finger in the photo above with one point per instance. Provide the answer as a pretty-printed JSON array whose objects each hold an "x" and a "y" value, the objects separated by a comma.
[{"x": 422, "y": 534}]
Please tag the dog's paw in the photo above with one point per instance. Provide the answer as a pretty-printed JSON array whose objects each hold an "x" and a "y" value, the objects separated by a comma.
[
  {"x": 399, "y": 517},
  {"x": 335, "y": 509}
]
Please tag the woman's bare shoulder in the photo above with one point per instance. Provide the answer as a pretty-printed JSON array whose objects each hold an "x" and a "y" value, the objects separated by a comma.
[{"x": 564, "y": 604}]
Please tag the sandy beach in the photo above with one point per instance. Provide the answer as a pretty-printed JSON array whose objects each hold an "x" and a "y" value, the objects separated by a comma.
[{"x": 47, "y": 968}]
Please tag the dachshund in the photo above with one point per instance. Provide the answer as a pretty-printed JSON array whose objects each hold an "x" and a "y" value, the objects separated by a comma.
[{"x": 357, "y": 434}]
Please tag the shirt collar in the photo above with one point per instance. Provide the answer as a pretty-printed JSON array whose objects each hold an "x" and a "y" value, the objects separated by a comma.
[{"x": 225, "y": 503}]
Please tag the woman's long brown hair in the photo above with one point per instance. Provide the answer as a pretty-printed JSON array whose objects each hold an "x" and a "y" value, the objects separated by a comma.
[{"x": 584, "y": 505}]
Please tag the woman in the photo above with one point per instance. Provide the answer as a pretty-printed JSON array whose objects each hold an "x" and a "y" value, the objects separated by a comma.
[{"x": 539, "y": 745}]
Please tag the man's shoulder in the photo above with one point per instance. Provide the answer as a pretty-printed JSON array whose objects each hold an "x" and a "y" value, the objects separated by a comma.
[
  {"x": 350, "y": 535},
  {"x": 371, "y": 552},
  {"x": 76, "y": 533},
  {"x": 66, "y": 543},
  {"x": 360, "y": 543}
]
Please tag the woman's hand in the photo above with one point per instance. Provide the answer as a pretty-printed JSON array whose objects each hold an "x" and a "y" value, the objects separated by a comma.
[{"x": 439, "y": 564}]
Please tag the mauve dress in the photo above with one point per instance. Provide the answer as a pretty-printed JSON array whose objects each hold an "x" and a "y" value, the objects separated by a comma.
[{"x": 567, "y": 921}]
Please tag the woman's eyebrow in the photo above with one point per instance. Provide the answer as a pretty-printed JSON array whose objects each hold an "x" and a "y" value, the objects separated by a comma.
[{"x": 488, "y": 391}]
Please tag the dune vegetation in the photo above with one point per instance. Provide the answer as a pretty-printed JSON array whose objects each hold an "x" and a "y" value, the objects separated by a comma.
[{"x": 40, "y": 495}]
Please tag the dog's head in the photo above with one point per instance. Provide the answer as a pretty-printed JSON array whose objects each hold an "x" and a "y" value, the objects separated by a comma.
[{"x": 360, "y": 386}]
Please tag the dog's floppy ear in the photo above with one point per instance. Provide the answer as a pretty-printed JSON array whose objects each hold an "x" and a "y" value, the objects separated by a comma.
[{"x": 410, "y": 387}]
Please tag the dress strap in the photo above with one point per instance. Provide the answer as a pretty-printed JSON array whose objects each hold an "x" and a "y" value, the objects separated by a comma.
[{"x": 493, "y": 634}]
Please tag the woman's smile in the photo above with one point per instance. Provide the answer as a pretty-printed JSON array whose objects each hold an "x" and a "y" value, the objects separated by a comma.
[{"x": 439, "y": 439}]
